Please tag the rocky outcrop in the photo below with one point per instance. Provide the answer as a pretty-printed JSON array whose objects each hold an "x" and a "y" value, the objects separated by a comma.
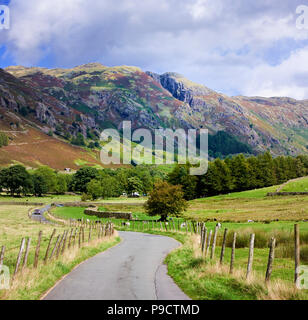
[{"x": 93, "y": 97}]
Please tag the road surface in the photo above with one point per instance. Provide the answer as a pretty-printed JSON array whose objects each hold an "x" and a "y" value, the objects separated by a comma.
[{"x": 132, "y": 270}]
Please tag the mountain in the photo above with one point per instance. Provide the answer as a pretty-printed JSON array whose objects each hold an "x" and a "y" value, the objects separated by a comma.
[
  {"x": 278, "y": 124},
  {"x": 88, "y": 98}
]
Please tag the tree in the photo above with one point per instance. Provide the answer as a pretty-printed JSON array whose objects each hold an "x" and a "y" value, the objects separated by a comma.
[
  {"x": 94, "y": 189},
  {"x": 82, "y": 177},
  {"x": 4, "y": 140},
  {"x": 49, "y": 175},
  {"x": 61, "y": 185},
  {"x": 16, "y": 180},
  {"x": 110, "y": 187},
  {"x": 78, "y": 140},
  {"x": 181, "y": 176},
  {"x": 134, "y": 184},
  {"x": 165, "y": 200},
  {"x": 40, "y": 185}
]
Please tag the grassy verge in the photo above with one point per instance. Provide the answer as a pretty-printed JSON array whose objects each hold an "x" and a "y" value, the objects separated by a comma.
[
  {"x": 204, "y": 279},
  {"x": 32, "y": 283}
]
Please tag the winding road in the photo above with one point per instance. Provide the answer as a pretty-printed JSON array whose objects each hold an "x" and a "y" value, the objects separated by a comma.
[{"x": 132, "y": 270}]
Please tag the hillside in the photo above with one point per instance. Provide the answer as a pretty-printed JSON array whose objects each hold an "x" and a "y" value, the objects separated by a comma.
[
  {"x": 91, "y": 97},
  {"x": 32, "y": 147}
]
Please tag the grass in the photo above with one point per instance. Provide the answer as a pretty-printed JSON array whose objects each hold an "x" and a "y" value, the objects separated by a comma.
[
  {"x": 15, "y": 225},
  {"x": 45, "y": 200},
  {"x": 68, "y": 198},
  {"x": 249, "y": 205},
  {"x": 300, "y": 185},
  {"x": 205, "y": 279},
  {"x": 78, "y": 213},
  {"x": 33, "y": 283}
]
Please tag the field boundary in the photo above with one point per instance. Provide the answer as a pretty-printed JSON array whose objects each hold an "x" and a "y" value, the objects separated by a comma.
[{"x": 272, "y": 194}]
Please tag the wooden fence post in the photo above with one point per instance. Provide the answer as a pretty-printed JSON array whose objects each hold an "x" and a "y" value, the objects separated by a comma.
[
  {"x": 89, "y": 239},
  {"x": 21, "y": 249},
  {"x": 250, "y": 258},
  {"x": 49, "y": 244},
  {"x": 64, "y": 242},
  {"x": 204, "y": 239},
  {"x": 70, "y": 238},
  {"x": 297, "y": 252},
  {"x": 26, "y": 254},
  {"x": 271, "y": 257},
  {"x": 214, "y": 243},
  {"x": 2, "y": 256},
  {"x": 223, "y": 248},
  {"x": 55, "y": 247},
  {"x": 60, "y": 245},
  {"x": 37, "y": 250},
  {"x": 208, "y": 243},
  {"x": 74, "y": 240},
  {"x": 79, "y": 237},
  {"x": 233, "y": 253}
]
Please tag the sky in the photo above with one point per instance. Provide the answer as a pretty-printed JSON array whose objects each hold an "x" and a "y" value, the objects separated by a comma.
[{"x": 236, "y": 47}]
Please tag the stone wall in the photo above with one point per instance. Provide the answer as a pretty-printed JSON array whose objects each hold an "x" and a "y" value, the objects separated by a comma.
[
  {"x": 272, "y": 194},
  {"x": 108, "y": 214}
]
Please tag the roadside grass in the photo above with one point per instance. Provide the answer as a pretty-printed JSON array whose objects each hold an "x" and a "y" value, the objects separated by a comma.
[
  {"x": 33, "y": 283},
  {"x": 205, "y": 279},
  {"x": 301, "y": 185},
  {"x": 15, "y": 225}
]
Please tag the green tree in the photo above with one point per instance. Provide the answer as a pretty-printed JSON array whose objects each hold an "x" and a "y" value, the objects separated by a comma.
[
  {"x": 40, "y": 185},
  {"x": 49, "y": 175},
  {"x": 82, "y": 177},
  {"x": 94, "y": 189},
  {"x": 4, "y": 140},
  {"x": 78, "y": 140},
  {"x": 61, "y": 185},
  {"x": 111, "y": 187},
  {"x": 181, "y": 176},
  {"x": 16, "y": 180},
  {"x": 166, "y": 200},
  {"x": 134, "y": 184}
]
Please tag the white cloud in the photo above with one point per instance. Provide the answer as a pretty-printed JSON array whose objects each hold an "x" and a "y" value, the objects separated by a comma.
[{"x": 222, "y": 44}]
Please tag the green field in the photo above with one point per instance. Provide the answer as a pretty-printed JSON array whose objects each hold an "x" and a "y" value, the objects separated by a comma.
[
  {"x": 300, "y": 185},
  {"x": 67, "y": 198}
]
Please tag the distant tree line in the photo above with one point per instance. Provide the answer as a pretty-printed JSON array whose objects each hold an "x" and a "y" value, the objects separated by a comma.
[
  {"x": 239, "y": 174},
  {"x": 91, "y": 182}
]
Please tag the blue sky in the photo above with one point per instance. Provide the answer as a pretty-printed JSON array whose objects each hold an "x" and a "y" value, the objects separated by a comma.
[{"x": 237, "y": 47}]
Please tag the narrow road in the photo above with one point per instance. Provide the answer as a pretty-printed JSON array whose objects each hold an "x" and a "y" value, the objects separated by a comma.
[{"x": 132, "y": 270}]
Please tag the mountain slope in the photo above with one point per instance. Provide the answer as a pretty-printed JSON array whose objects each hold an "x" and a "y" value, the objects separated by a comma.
[
  {"x": 91, "y": 97},
  {"x": 279, "y": 124}
]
